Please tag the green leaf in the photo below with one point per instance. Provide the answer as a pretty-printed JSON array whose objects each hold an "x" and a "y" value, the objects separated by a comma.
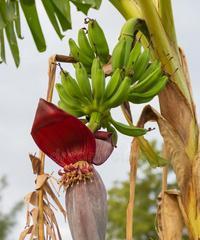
[
  {"x": 81, "y": 7},
  {"x": 12, "y": 40},
  {"x": 49, "y": 8},
  {"x": 17, "y": 21},
  {"x": 2, "y": 22},
  {"x": 11, "y": 10},
  {"x": 93, "y": 3},
  {"x": 31, "y": 15},
  {"x": 3, "y": 10},
  {"x": 62, "y": 10},
  {"x": 2, "y": 48}
]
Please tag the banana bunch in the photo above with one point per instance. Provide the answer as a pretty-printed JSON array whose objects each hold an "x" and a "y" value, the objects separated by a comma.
[
  {"x": 91, "y": 46},
  {"x": 147, "y": 78},
  {"x": 88, "y": 94}
]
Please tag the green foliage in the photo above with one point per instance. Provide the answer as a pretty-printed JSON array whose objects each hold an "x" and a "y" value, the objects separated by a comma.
[
  {"x": 58, "y": 13},
  {"x": 148, "y": 187},
  {"x": 7, "y": 220}
]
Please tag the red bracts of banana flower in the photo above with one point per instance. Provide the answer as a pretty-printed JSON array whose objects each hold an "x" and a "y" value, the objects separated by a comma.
[
  {"x": 65, "y": 139},
  {"x": 68, "y": 142}
]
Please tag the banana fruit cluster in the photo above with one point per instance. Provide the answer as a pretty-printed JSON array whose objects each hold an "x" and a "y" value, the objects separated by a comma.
[
  {"x": 135, "y": 78},
  {"x": 91, "y": 43},
  {"x": 147, "y": 78}
]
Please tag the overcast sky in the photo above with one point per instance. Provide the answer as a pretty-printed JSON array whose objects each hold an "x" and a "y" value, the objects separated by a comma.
[{"x": 21, "y": 88}]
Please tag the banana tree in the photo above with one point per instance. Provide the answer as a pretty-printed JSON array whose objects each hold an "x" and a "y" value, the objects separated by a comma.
[
  {"x": 177, "y": 121},
  {"x": 151, "y": 27}
]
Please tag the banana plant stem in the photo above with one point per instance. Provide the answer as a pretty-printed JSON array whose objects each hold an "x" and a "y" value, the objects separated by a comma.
[
  {"x": 128, "y": 8},
  {"x": 95, "y": 121}
]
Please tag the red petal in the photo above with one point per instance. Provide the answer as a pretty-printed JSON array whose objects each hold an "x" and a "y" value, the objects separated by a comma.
[
  {"x": 104, "y": 147},
  {"x": 61, "y": 136}
]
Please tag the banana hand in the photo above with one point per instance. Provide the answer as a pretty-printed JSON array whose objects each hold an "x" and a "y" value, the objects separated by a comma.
[{"x": 128, "y": 130}]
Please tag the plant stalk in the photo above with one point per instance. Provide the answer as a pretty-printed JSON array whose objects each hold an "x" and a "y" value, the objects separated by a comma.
[
  {"x": 95, "y": 121},
  {"x": 128, "y": 8},
  {"x": 51, "y": 73},
  {"x": 130, "y": 208}
]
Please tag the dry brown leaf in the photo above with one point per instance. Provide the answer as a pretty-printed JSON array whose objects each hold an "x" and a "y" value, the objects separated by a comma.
[
  {"x": 32, "y": 198},
  {"x": 41, "y": 180},
  {"x": 36, "y": 162},
  {"x": 174, "y": 146},
  {"x": 26, "y": 232},
  {"x": 169, "y": 217},
  {"x": 48, "y": 189},
  {"x": 177, "y": 111},
  {"x": 50, "y": 214}
]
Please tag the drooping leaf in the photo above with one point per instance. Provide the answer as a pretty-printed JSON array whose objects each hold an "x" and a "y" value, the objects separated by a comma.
[
  {"x": 18, "y": 21},
  {"x": 31, "y": 15},
  {"x": 12, "y": 40},
  {"x": 92, "y": 3},
  {"x": 62, "y": 10},
  {"x": 2, "y": 47},
  {"x": 49, "y": 8},
  {"x": 2, "y": 22},
  {"x": 3, "y": 10},
  {"x": 81, "y": 7}
]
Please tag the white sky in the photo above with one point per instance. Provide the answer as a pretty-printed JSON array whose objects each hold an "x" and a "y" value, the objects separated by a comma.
[{"x": 21, "y": 88}]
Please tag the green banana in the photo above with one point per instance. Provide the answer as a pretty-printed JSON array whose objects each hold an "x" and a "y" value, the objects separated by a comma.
[
  {"x": 134, "y": 54},
  {"x": 147, "y": 96},
  {"x": 152, "y": 66},
  {"x": 113, "y": 83},
  {"x": 114, "y": 134},
  {"x": 148, "y": 82},
  {"x": 121, "y": 94},
  {"x": 74, "y": 112},
  {"x": 83, "y": 80},
  {"x": 98, "y": 80},
  {"x": 128, "y": 31},
  {"x": 128, "y": 130},
  {"x": 118, "y": 54},
  {"x": 72, "y": 88},
  {"x": 78, "y": 55},
  {"x": 68, "y": 100},
  {"x": 84, "y": 44},
  {"x": 141, "y": 64},
  {"x": 98, "y": 40}
]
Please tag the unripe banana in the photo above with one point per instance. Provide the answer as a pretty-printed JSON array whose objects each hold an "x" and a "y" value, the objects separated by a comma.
[
  {"x": 65, "y": 98},
  {"x": 121, "y": 94},
  {"x": 83, "y": 80},
  {"x": 141, "y": 64},
  {"x": 152, "y": 66},
  {"x": 98, "y": 80},
  {"x": 129, "y": 28},
  {"x": 113, "y": 83},
  {"x": 71, "y": 87},
  {"x": 128, "y": 130},
  {"x": 118, "y": 54},
  {"x": 78, "y": 55},
  {"x": 98, "y": 40},
  {"x": 74, "y": 112},
  {"x": 129, "y": 31},
  {"x": 134, "y": 54},
  {"x": 84, "y": 44},
  {"x": 147, "y": 84},
  {"x": 147, "y": 96}
]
